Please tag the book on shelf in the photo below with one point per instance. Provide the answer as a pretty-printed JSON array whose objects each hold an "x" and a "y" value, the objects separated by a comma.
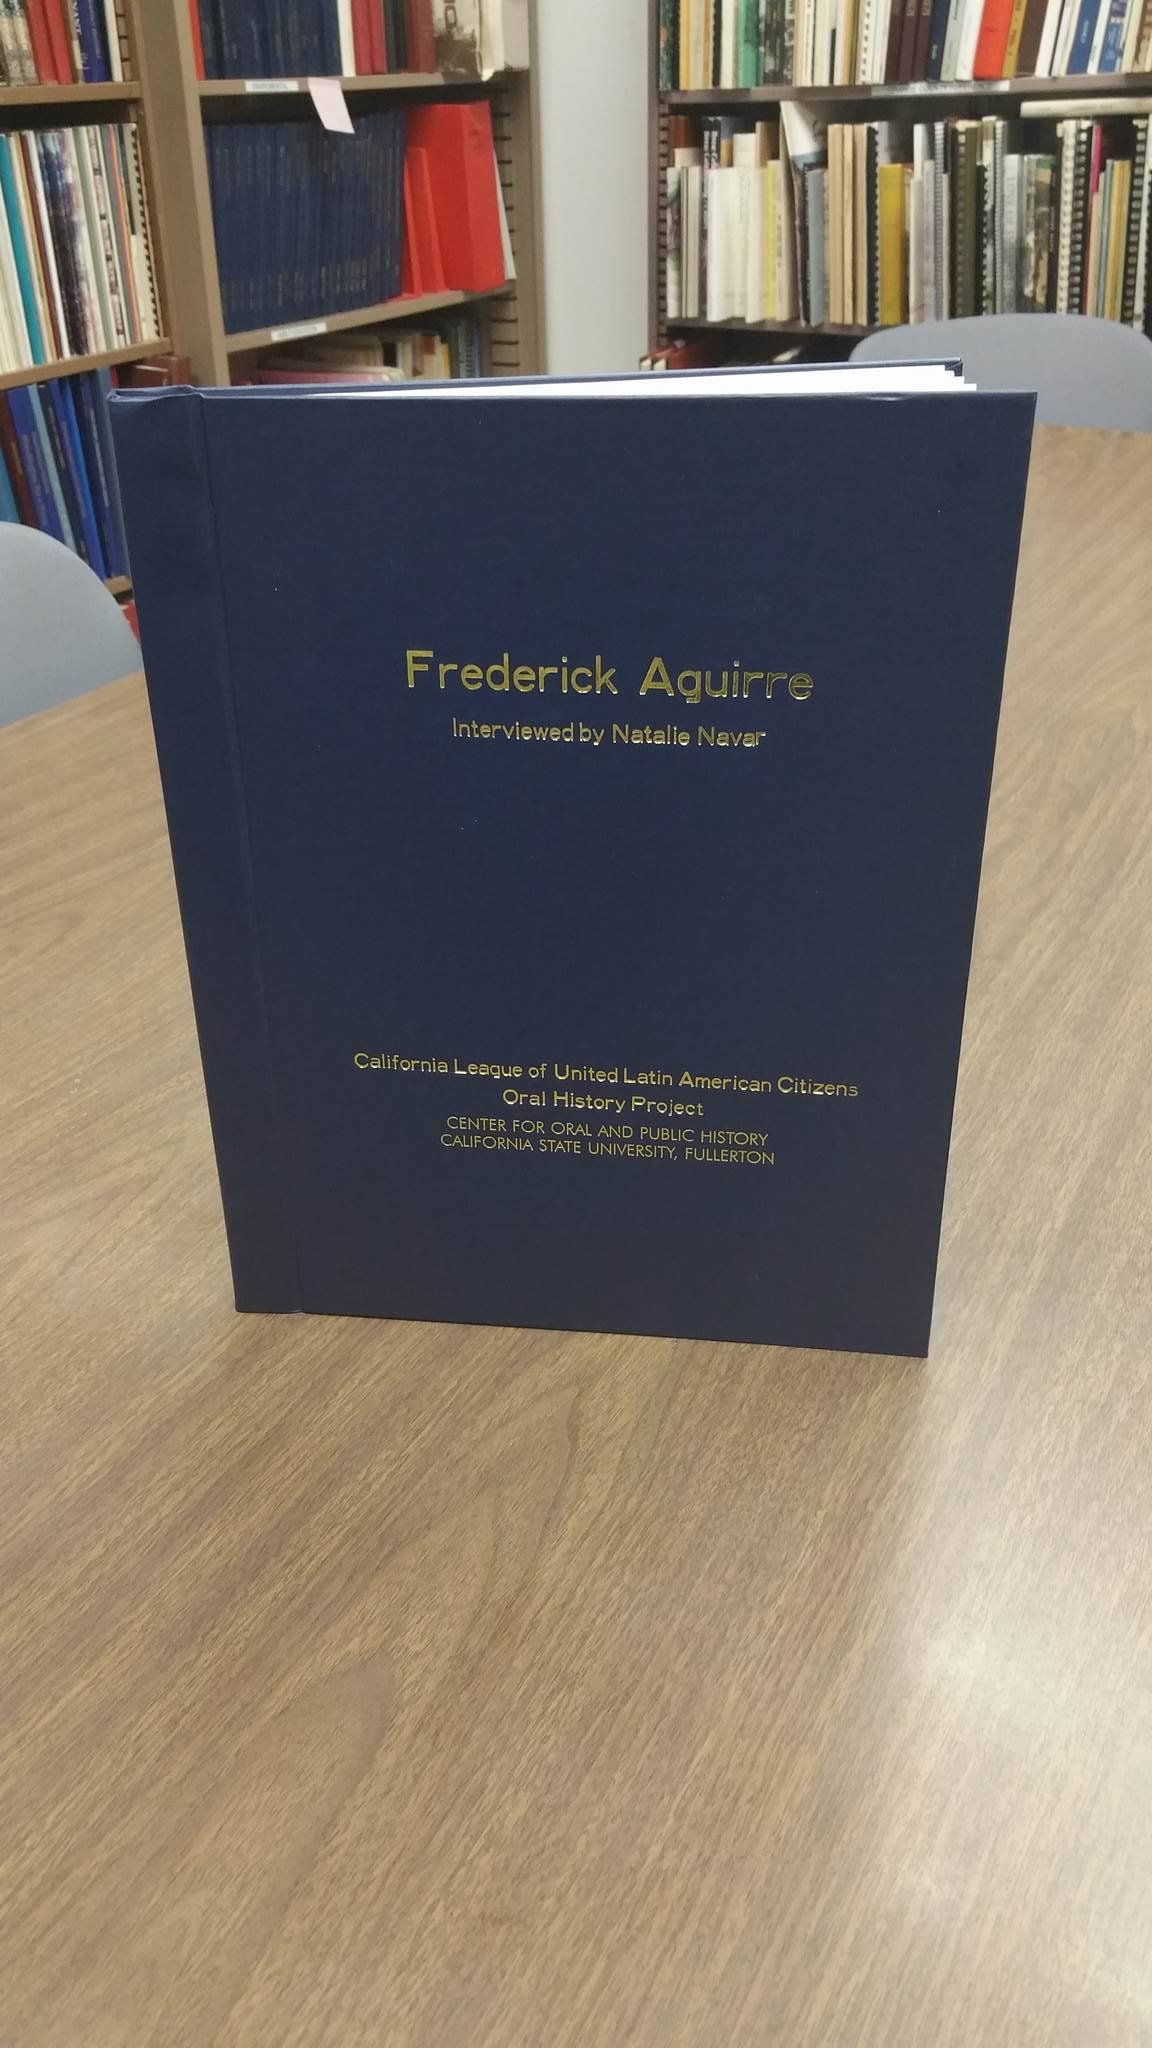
[
  {"x": 582, "y": 946},
  {"x": 77, "y": 271},
  {"x": 471, "y": 39},
  {"x": 309, "y": 224},
  {"x": 705, "y": 45},
  {"x": 56, "y": 467},
  {"x": 396, "y": 352},
  {"x": 900, "y": 220},
  {"x": 59, "y": 42}
]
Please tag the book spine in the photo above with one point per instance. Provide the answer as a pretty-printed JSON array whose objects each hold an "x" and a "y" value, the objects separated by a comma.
[
  {"x": 1013, "y": 39},
  {"x": 992, "y": 41},
  {"x": 1132, "y": 234},
  {"x": 1112, "y": 45},
  {"x": 951, "y": 38},
  {"x": 90, "y": 25},
  {"x": 945, "y": 183},
  {"x": 82, "y": 389},
  {"x": 10, "y": 196},
  {"x": 31, "y": 450},
  {"x": 164, "y": 458},
  {"x": 144, "y": 262},
  {"x": 937, "y": 33},
  {"x": 57, "y": 25},
  {"x": 43, "y": 56},
  {"x": 10, "y": 514},
  {"x": 64, "y": 465},
  {"x": 25, "y": 54},
  {"x": 673, "y": 252},
  {"x": 1023, "y": 60},
  {"x": 18, "y": 66},
  {"x": 1081, "y": 48},
  {"x": 420, "y": 38},
  {"x": 54, "y": 466},
  {"x": 1078, "y": 217},
  {"x": 112, "y": 40},
  {"x": 1138, "y": 15},
  {"x": 10, "y": 455},
  {"x": 668, "y": 44}
]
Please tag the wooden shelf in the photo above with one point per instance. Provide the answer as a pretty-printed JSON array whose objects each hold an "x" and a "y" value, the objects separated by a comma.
[
  {"x": 392, "y": 81},
  {"x": 1094, "y": 87},
  {"x": 118, "y": 585},
  {"x": 66, "y": 95},
  {"x": 71, "y": 366},
  {"x": 800, "y": 327},
  {"x": 364, "y": 316}
]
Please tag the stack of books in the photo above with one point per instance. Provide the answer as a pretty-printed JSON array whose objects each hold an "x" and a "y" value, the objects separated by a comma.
[
  {"x": 357, "y": 38},
  {"x": 385, "y": 355},
  {"x": 77, "y": 274},
  {"x": 735, "y": 43},
  {"x": 56, "y": 469},
  {"x": 309, "y": 224},
  {"x": 880, "y": 222},
  {"x": 332, "y": 38},
  {"x": 59, "y": 42}
]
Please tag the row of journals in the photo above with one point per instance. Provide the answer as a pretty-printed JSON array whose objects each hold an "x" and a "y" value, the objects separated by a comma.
[
  {"x": 385, "y": 355},
  {"x": 59, "y": 42},
  {"x": 357, "y": 38},
  {"x": 77, "y": 274},
  {"x": 56, "y": 467},
  {"x": 331, "y": 38},
  {"x": 309, "y": 224},
  {"x": 740, "y": 43},
  {"x": 877, "y": 223}
]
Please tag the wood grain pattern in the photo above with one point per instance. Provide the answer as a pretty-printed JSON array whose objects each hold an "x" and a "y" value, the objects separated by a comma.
[{"x": 368, "y": 1683}]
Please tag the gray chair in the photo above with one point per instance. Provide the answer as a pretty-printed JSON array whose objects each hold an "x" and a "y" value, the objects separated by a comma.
[
  {"x": 61, "y": 631},
  {"x": 1085, "y": 372}
]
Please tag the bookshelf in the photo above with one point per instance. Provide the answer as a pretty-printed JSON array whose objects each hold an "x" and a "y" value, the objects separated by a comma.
[
  {"x": 915, "y": 102},
  {"x": 181, "y": 106},
  {"x": 74, "y": 366},
  {"x": 60, "y": 97},
  {"x": 173, "y": 110}
]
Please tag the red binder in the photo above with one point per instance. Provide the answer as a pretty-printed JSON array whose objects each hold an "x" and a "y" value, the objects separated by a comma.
[
  {"x": 423, "y": 266},
  {"x": 457, "y": 137}
]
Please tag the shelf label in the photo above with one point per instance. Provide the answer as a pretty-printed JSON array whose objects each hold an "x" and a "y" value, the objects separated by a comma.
[
  {"x": 297, "y": 329},
  {"x": 331, "y": 105},
  {"x": 272, "y": 85},
  {"x": 955, "y": 88}
]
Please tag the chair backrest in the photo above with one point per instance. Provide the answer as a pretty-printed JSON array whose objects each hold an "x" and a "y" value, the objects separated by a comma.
[
  {"x": 61, "y": 631},
  {"x": 1085, "y": 372}
]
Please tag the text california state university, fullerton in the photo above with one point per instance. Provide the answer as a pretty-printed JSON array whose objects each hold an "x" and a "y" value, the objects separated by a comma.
[{"x": 596, "y": 678}]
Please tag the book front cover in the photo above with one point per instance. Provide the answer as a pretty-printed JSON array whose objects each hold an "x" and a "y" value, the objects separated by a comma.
[{"x": 577, "y": 807}]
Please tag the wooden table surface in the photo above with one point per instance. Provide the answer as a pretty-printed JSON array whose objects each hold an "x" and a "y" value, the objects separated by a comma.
[{"x": 369, "y": 1683}]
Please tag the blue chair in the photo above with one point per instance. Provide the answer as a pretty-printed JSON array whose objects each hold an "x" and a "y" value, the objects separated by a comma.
[
  {"x": 1085, "y": 372},
  {"x": 61, "y": 631}
]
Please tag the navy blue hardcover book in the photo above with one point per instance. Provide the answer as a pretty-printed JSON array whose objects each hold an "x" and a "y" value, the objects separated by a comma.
[{"x": 577, "y": 796}]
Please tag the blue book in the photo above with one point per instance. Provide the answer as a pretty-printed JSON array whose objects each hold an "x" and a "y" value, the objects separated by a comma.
[
  {"x": 102, "y": 388},
  {"x": 1113, "y": 45},
  {"x": 1081, "y": 49},
  {"x": 93, "y": 41},
  {"x": 578, "y": 816},
  {"x": 937, "y": 30},
  {"x": 91, "y": 543},
  {"x": 60, "y": 468},
  {"x": 32, "y": 444},
  {"x": 92, "y": 426}
]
